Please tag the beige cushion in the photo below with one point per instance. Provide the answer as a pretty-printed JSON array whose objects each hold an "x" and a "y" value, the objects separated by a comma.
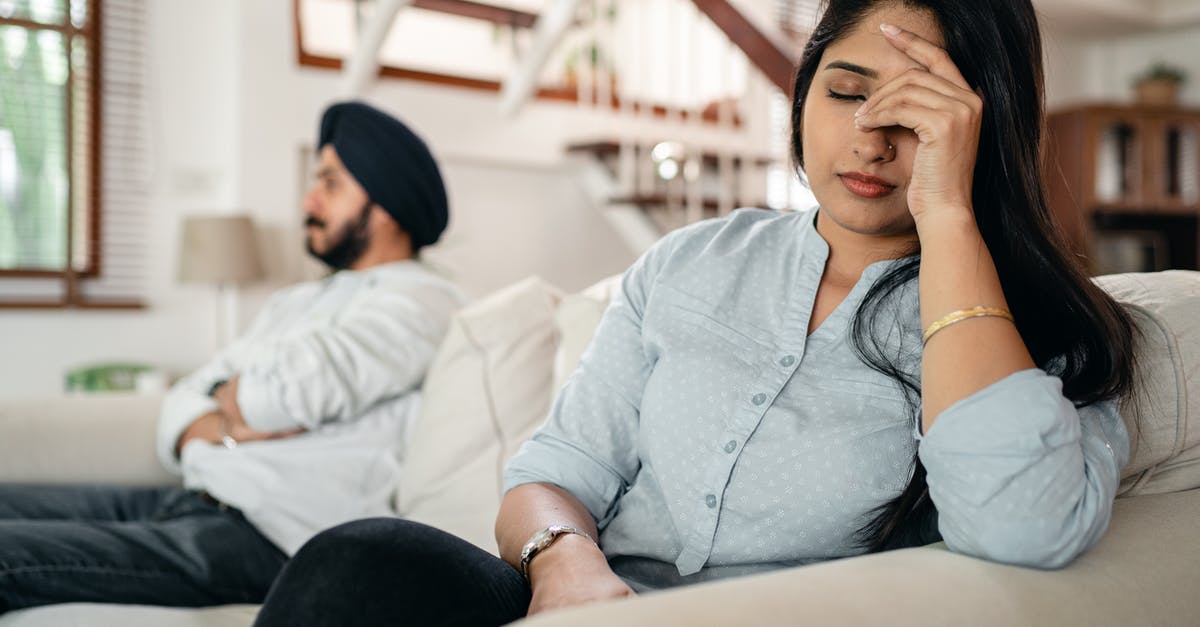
[
  {"x": 488, "y": 388},
  {"x": 86, "y": 438},
  {"x": 1163, "y": 415},
  {"x": 576, "y": 319},
  {"x": 108, "y": 615}
]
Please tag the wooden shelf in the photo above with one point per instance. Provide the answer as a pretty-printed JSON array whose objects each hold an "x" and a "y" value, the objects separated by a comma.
[
  {"x": 1114, "y": 169},
  {"x": 87, "y": 305},
  {"x": 660, "y": 200}
]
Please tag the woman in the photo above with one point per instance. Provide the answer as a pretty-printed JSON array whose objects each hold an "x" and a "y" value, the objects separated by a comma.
[{"x": 916, "y": 359}]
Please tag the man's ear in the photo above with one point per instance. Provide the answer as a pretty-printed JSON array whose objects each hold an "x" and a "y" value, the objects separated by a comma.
[
  {"x": 382, "y": 223},
  {"x": 380, "y": 220}
]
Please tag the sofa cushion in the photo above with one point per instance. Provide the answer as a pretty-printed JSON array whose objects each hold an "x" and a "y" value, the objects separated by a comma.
[
  {"x": 488, "y": 388},
  {"x": 1143, "y": 572},
  {"x": 1163, "y": 414},
  {"x": 576, "y": 319},
  {"x": 109, "y": 614},
  {"x": 111, "y": 440}
]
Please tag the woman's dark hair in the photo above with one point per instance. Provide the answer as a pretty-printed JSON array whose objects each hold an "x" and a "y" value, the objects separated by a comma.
[{"x": 1072, "y": 328}]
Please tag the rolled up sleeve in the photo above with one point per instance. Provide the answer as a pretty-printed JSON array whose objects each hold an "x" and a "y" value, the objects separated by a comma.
[{"x": 1019, "y": 475}]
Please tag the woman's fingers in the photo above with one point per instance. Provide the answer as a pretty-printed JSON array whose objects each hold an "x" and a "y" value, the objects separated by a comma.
[
  {"x": 928, "y": 124},
  {"x": 919, "y": 98},
  {"x": 922, "y": 79},
  {"x": 930, "y": 56}
]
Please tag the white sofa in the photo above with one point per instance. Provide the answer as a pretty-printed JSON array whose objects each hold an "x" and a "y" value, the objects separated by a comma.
[{"x": 492, "y": 383}]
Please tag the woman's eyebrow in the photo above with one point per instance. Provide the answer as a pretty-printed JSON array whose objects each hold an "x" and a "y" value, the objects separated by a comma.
[{"x": 850, "y": 67}]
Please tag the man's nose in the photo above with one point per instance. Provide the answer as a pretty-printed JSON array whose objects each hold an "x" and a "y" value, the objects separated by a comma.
[{"x": 309, "y": 203}]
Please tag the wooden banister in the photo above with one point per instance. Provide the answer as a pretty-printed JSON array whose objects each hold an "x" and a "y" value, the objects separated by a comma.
[
  {"x": 775, "y": 63},
  {"x": 480, "y": 11}
]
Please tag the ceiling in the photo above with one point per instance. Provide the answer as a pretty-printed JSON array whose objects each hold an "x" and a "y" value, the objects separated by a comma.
[{"x": 1117, "y": 17}]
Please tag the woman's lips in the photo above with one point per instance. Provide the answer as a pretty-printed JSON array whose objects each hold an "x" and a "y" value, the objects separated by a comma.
[{"x": 866, "y": 185}]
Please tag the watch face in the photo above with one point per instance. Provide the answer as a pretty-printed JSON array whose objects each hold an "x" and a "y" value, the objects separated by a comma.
[{"x": 541, "y": 538}]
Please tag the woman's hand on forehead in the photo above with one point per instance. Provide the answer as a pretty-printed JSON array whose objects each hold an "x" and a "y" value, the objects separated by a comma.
[
  {"x": 932, "y": 57},
  {"x": 936, "y": 103}
]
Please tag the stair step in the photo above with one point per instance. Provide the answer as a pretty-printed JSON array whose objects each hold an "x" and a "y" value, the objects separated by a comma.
[{"x": 606, "y": 149}]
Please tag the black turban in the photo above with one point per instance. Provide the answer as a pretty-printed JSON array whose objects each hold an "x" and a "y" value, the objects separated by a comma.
[{"x": 392, "y": 164}]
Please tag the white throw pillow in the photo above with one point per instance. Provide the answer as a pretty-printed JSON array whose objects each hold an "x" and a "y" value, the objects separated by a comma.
[
  {"x": 577, "y": 318},
  {"x": 488, "y": 388},
  {"x": 1163, "y": 416}
]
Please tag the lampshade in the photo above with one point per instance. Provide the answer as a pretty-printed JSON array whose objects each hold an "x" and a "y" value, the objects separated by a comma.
[{"x": 219, "y": 249}]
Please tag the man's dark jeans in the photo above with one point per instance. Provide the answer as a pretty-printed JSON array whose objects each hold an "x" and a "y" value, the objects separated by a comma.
[{"x": 158, "y": 546}]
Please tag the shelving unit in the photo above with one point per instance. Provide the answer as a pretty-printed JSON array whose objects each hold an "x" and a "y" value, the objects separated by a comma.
[{"x": 1124, "y": 182}]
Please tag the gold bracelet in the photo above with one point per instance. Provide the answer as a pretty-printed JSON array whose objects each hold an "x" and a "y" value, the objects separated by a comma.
[{"x": 964, "y": 314}]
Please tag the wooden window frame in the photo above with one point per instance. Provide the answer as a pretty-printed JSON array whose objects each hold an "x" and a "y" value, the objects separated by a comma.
[{"x": 91, "y": 31}]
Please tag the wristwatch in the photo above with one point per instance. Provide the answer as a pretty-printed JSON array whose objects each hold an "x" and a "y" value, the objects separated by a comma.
[{"x": 541, "y": 540}]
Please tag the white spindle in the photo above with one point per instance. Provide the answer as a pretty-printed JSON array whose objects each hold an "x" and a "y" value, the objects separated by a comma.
[
  {"x": 726, "y": 109},
  {"x": 693, "y": 71},
  {"x": 628, "y": 77}
]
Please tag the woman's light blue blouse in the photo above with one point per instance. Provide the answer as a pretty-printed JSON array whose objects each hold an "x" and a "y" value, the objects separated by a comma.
[{"x": 710, "y": 435}]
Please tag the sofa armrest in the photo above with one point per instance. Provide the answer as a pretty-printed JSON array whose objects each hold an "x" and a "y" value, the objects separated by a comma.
[
  {"x": 1143, "y": 572},
  {"x": 102, "y": 438}
]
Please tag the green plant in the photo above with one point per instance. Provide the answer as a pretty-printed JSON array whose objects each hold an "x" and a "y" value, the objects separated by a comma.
[{"x": 1162, "y": 72}]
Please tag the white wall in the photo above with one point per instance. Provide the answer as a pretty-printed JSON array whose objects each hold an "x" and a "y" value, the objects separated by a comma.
[
  {"x": 1102, "y": 68},
  {"x": 1115, "y": 63},
  {"x": 1066, "y": 63}
]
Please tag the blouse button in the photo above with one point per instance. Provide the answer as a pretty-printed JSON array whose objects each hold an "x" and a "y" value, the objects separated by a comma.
[
  {"x": 787, "y": 361},
  {"x": 710, "y": 501},
  {"x": 759, "y": 399},
  {"x": 729, "y": 446}
]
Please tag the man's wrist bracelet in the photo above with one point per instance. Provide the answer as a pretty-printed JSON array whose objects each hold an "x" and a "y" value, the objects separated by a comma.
[{"x": 223, "y": 428}]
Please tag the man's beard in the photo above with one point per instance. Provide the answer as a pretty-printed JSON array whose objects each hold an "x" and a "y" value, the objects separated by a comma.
[{"x": 347, "y": 245}]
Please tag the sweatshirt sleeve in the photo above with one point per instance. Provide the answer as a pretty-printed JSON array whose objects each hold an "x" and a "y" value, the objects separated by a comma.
[
  {"x": 379, "y": 349},
  {"x": 1019, "y": 475},
  {"x": 186, "y": 401}
]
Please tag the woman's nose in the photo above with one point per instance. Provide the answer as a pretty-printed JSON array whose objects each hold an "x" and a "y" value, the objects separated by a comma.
[{"x": 874, "y": 146}]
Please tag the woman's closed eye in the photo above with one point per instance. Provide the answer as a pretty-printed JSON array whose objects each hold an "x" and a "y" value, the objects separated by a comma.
[{"x": 847, "y": 97}]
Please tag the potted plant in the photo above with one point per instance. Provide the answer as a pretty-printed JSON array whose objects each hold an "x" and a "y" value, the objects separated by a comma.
[{"x": 1159, "y": 85}]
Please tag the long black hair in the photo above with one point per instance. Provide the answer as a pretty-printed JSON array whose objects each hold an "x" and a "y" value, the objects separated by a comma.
[{"x": 1072, "y": 328}]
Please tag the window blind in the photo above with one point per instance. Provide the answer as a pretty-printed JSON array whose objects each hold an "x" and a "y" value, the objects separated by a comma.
[
  {"x": 57, "y": 167},
  {"x": 124, "y": 156}
]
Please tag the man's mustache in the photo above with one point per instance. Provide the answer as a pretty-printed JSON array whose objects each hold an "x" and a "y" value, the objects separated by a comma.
[{"x": 311, "y": 221}]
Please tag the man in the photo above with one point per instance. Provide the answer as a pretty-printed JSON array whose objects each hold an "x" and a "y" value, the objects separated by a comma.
[{"x": 293, "y": 428}]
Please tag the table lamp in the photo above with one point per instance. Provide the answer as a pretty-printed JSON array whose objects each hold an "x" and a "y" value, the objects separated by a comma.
[{"x": 220, "y": 250}]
